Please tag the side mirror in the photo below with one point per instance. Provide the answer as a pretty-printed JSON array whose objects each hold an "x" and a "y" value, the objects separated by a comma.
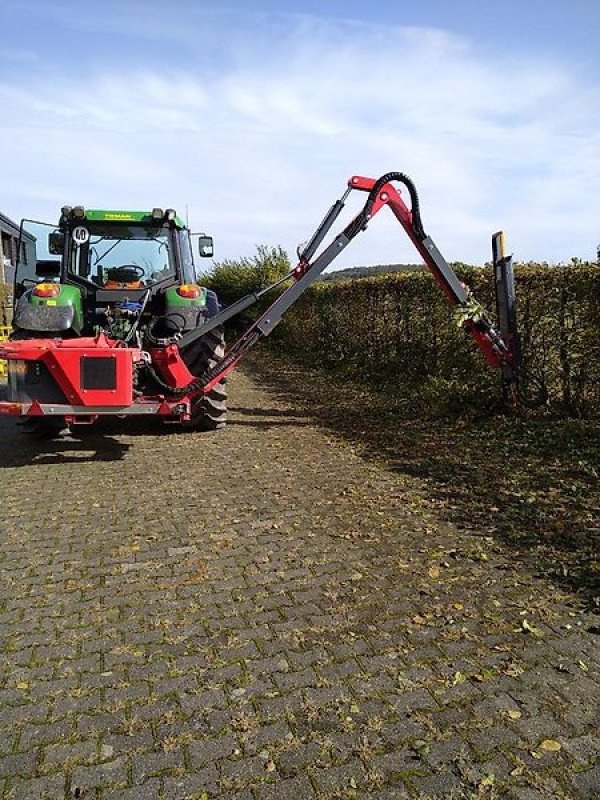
[
  {"x": 47, "y": 268},
  {"x": 205, "y": 246},
  {"x": 56, "y": 243}
]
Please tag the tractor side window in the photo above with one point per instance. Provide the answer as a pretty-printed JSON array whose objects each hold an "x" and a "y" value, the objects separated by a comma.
[{"x": 187, "y": 259}]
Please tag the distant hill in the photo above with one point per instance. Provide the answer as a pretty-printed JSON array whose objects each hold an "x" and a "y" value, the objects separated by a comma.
[{"x": 368, "y": 272}]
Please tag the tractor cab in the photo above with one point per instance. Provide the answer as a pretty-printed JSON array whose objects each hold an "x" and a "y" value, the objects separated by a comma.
[
  {"x": 103, "y": 270},
  {"x": 125, "y": 249}
]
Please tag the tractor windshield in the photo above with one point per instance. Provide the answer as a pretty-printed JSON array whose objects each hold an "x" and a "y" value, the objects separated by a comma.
[{"x": 118, "y": 255}]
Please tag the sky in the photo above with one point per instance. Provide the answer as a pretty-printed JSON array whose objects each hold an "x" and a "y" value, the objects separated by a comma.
[{"x": 253, "y": 116}]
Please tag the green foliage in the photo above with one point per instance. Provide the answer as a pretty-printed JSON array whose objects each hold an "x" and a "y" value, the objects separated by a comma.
[
  {"x": 232, "y": 279},
  {"x": 400, "y": 330}
]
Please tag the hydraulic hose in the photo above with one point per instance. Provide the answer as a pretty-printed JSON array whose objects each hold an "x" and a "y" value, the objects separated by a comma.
[{"x": 363, "y": 217}]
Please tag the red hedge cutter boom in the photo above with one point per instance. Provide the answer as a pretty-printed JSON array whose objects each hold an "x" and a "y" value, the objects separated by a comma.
[{"x": 498, "y": 350}]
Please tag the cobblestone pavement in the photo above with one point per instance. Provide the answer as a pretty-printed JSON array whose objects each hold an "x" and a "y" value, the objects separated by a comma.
[{"x": 259, "y": 613}]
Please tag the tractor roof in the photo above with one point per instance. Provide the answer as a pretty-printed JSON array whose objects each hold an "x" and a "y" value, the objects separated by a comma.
[{"x": 155, "y": 216}]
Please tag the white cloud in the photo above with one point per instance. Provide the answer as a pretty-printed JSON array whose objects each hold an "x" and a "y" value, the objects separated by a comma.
[{"x": 260, "y": 147}]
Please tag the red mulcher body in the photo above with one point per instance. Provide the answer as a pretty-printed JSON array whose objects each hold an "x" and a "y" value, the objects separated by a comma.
[{"x": 147, "y": 353}]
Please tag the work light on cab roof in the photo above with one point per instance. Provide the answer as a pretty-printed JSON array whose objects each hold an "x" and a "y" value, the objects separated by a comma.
[{"x": 157, "y": 214}]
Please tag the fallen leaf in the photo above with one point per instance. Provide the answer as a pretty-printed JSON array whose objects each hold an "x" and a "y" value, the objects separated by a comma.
[
  {"x": 270, "y": 766},
  {"x": 433, "y": 572},
  {"x": 527, "y": 626},
  {"x": 514, "y": 713},
  {"x": 551, "y": 745},
  {"x": 514, "y": 670}
]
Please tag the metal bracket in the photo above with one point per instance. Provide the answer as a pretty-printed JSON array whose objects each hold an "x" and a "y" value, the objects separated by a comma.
[{"x": 506, "y": 309}]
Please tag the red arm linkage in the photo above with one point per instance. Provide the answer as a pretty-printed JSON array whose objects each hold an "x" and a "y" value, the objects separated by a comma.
[
  {"x": 489, "y": 340},
  {"x": 390, "y": 196}
]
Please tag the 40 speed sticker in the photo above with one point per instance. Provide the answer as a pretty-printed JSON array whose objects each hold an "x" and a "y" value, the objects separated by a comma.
[{"x": 80, "y": 235}]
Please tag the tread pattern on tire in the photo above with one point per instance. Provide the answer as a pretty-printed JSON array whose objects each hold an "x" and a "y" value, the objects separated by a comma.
[{"x": 209, "y": 412}]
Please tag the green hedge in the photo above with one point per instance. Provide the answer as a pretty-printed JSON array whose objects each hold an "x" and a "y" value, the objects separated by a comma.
[
  {"x": 400, "y": 329},
  {"x": 232, "y": 279}
]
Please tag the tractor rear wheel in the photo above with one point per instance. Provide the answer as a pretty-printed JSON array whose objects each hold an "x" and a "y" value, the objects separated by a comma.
[{"x": 208, "y": 412}]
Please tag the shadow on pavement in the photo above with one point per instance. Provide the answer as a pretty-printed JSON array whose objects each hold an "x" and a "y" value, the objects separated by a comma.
[
  {"x": 267, "y": 418},
  {"x": 20, "y": 449},
  {"x": 533, "y": 483}
]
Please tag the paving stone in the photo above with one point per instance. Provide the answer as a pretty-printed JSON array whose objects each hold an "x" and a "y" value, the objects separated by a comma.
[
  {"x": 112, "y": 774},
  {"x": 213, "y": 698},
  {"x": 328, "y": 696},
  {"x": 411, "y": 701},
  {"x": 79, "y": 752},
  {"x": 585, "y": 749},
  {"x": 441, "y": 784},
  {"x": 347, "y": 776},
  {"x": 126, "y": 744},
  {"x": 444, "y": 753},
  {"x": 294, "y": 760},
  {"x": 185, "y": 787},
  {"x": 587, "y": 783},
  {"x": 23, "y": 765},
  {"x": 296, "y": 680},
  {"x": 242, "y": 770},
  {"x": 292, "y": 789},
  {"x": 146, "y": 765},
  {"x": 496, "y": 737},
  {"x": 150, "y": 790},
  {"x": 207, "y": 751},
  {"x": 17, "y": 715},
  {"x": 7, "y": 742},
  {"x": 396, "y": 792},
  {"x": 51, "y": 787},
  {"x": 274, "y": 733},
  {"x": 94, "y": 723}
]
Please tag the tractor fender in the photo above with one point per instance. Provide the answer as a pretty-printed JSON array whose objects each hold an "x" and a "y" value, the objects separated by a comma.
[{"x": 57, "y": 314}]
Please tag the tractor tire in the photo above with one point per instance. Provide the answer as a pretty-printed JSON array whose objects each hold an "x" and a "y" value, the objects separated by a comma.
[
  {"x": 42, "y": 428},
  {"x": 208, "y": 412}
]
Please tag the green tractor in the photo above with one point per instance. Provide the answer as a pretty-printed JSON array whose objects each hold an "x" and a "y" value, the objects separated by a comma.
[{"x": 125, "y": 276}]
